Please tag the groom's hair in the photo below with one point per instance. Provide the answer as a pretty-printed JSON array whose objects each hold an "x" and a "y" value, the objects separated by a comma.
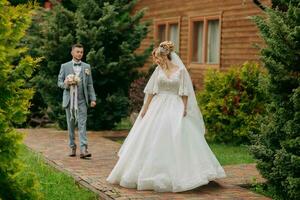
[{"x": 77, "y": 45}]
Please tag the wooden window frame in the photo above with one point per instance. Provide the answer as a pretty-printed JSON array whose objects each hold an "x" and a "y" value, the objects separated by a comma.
[
  {"x": 167, "y": 22},
  {"x": 204, "y": 19}
]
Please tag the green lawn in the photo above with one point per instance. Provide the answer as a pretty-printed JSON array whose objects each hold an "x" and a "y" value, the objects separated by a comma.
[
  {"x": 54, "y": 185},
  {"x": 226, "y": 154},
  {"x": 230, "y": 154}
]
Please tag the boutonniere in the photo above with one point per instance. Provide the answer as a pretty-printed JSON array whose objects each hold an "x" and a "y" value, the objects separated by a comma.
[{"x": 87, "y": 72}]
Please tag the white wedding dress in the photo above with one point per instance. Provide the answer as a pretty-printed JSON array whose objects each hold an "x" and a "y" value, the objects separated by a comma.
[{"x": 165, "y": 151}]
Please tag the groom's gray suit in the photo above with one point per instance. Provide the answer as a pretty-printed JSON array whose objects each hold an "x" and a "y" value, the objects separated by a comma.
[{"x": 86, "y": 93}]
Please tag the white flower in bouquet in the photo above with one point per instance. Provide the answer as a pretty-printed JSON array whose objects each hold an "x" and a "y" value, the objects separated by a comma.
[{"x": 73, "y": 79}]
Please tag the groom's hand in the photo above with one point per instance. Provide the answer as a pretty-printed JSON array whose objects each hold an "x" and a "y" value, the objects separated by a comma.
[
  {"x": 67, "y": 82},
  {"x": 93, "y": 104}
]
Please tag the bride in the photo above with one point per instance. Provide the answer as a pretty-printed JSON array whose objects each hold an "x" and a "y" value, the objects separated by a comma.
[{"x": 166, "y": 150}]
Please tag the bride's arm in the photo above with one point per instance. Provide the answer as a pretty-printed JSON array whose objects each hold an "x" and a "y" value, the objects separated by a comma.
[
  {"x": 146, "y": 105},
  {"x": 184, "y": 99}
]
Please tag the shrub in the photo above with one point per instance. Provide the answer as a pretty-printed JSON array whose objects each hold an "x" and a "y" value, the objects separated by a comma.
[
  {"x": 16, "y": 68},
  {"x": 136, "y": 90},
  {"x": 136, "y": 94},
  {"x": 232, "y": 102}
]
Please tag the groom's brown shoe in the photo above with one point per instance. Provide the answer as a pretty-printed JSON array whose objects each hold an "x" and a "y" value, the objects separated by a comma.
[
  {"x": 85, "y": 153},
  {"x": 73, "y": 152}
]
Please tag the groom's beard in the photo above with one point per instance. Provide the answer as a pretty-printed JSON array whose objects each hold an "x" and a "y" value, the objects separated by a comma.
[{"x": 76, "y": 59}]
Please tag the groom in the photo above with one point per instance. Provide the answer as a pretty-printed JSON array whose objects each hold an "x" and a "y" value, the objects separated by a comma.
[{"x": 76, "y": 97}]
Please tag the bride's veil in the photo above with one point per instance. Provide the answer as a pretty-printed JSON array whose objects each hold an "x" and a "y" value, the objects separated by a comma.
[{"x": 193, "y": 111}]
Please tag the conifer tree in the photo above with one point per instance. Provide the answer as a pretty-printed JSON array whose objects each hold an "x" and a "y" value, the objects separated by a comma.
[
  {"x": 278, "y": 146},
  {"x": 110, "y": 34}
]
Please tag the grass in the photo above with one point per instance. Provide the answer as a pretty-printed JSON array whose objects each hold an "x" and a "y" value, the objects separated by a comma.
[
  {"x": 231, "y": 155},
  {"x": 227, "y": 154},
  {"x": 124, "y": 124},
  {"x": 263, "y": 189},
  {"x": 54, "y": 185}
]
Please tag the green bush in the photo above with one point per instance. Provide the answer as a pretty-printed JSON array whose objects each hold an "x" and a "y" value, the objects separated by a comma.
[
  {"x": 277, "y": 147},
  {"x": 232, "y": 102},
  {"x": 110, "y": 34},
  {"x": 16, "y": 68}
]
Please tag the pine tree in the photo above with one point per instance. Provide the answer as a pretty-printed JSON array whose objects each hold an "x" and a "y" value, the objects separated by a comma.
[
  {"x": 111, "y": 34},
  {"x": 278, "y": 146},
  {"x": 51, "y": 37},
  {"x": 16, "y": 68}
]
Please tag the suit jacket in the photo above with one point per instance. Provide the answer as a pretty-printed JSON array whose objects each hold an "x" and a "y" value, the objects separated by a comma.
[{"x": 88, "y": 88}]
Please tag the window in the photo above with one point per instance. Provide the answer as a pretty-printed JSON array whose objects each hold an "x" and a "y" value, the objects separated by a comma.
[
  {"x": 198, "y": 42},
  {"x": 167, "y": 29},
  {"x": 213, "y": 43},
  {"x": 174, "y": 35},
  {"x": 161, "y": 33},
  {"x": 204, "y": 41}
]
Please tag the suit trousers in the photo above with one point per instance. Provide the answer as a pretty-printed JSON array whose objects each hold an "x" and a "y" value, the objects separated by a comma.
[{"x": 81, "y": 122}]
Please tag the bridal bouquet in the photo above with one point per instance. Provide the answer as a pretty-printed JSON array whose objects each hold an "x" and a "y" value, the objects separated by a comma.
[{"x": 73, "y": 79}]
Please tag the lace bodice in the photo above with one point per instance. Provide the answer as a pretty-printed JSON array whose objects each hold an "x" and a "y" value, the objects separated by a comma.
[
  {"x": 161, "y": 83},
  {"x": 168, "y": 84}
]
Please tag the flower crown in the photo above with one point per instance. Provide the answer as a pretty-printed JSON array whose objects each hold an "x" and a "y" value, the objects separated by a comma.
[{"x": 166, "y": 47}]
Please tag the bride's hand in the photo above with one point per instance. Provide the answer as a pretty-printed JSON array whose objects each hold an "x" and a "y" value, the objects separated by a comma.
[
  {"x": 143, "y": 112},
  {"x": 184, "y": 113}
]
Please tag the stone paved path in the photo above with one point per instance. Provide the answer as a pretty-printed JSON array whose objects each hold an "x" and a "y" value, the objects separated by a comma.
[{"x": 52, "y": 144}]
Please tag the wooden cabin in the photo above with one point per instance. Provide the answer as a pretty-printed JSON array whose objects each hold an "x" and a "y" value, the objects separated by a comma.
[{"x": 207, "y": 33}]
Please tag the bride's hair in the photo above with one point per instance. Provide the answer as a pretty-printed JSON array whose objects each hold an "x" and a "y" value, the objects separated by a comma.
[{"x": 164, "y": 49}]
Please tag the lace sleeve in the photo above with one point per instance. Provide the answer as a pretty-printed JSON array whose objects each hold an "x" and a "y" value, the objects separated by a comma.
[
  {"x": 183, "y": 88},
  {"x": 151, "y": 87}
]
